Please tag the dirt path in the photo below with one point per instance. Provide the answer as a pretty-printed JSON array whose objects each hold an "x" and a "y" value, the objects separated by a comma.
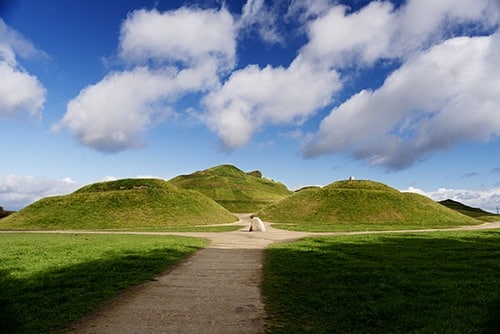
[{"x": 217, "y": 290}]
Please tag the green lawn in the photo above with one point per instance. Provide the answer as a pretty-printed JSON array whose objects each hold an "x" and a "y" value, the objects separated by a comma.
[
  {"x": 443, "y": 282},
  {"x": 50, "y": 280}
]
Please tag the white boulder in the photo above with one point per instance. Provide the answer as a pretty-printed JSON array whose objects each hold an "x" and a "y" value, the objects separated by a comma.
[{"x": 257, "y": 224}]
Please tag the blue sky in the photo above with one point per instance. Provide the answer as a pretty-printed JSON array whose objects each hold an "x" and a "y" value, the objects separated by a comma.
[{"x": 307, "y": 91}]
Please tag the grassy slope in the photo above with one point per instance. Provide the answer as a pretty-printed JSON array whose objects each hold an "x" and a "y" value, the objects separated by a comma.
[
  {"x": 470, "y": 211},
  {"x": 234, "y": 189},
  {"x": 122, "y": 204},
  {"x": 444, "y": 282},
  {"x": 50, "y": 280},
  {"x": 359, "y": 205}
]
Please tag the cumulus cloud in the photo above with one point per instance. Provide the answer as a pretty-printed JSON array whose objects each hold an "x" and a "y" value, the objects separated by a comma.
[
  {"x": 191, "y": 50},
  {"x": 253, "y": 97},
  {"x": 187, "y": 35},
  {"x": 446, "y": 95},
  {"x": 20, "y": 91},
  {"x": 17, "y": 191},
  {"x": 339, "y": 38},
  {"x": 342, "y": 38},
  {"x": 486, "y": 199},
  {"x": 113, "y": 114},
  {"x": 171, "y": 54}
]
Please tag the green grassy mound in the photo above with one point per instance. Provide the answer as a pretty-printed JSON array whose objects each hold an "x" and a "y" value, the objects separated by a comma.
[
  {"x": 234, "y": 189},
  {"x": 359, "y": 205},
  {"x": 123, "y": 204},
  {"x": 470, "y": 211}
]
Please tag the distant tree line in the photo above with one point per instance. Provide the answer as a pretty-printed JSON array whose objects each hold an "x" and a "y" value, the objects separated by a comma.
[{"x": 4, "y": 213}]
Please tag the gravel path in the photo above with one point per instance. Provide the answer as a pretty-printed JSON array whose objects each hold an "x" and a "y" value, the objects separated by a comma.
[{"x": 217, "y": 290}]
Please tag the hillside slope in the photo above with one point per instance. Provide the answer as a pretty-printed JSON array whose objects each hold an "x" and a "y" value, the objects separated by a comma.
[
  {"x": 365, "y": 204},
  {"x": 476, "y": 213},
  {"x": 234, "y": 189},
  {"x": 122, "y": 204}
]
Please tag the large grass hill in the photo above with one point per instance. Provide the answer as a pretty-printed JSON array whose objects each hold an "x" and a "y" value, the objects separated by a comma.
[
  {"x": 470, "y": 211},
  {"x": 123, "y": 204},
  {"x": 359, "y": 205},
  {"x": 234, "y": 189}
]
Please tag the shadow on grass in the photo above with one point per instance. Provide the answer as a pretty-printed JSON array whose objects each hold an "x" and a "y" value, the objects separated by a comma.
[
  {"x": 50, "y": 300},
  {"x": 435, "y": 283}
]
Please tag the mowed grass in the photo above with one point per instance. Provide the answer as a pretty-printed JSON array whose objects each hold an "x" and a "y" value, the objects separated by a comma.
[
  {"x": 443, "y": 282},
  {"x": 234, "y": 189},
  {"x": 360, "y": 205},
  {"x": 127, "y": 204},
  {"x": 49, "y": 280}
]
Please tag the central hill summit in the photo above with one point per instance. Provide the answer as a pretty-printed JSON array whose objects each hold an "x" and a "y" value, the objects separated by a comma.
[
  {"x": 234, "y": 189},
  {"x": 360, "y": 203}
]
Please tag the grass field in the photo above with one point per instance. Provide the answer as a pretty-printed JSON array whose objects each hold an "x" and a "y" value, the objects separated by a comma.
[
  {"x": 50, "y": 280},
  {"x": 443, "y": 282}
]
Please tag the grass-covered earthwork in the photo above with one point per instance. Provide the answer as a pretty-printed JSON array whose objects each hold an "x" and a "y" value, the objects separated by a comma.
[
  {"x": 360, "y": 205},
  {"x": 443, "y": 282},
  {"x": 49, "y": 280},
  {"x": 127, "y": 204},
  {"x": 476, "y": 213},
  {"x": 234, "y": 189}
]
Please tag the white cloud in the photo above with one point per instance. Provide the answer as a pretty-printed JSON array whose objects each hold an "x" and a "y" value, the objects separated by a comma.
[
  {"x": 379, "y": 30},
  {"x": 187, "y": 35},
  {"x": 258, "y": 16},
  {"x": 439, "y": 98},
  {"x": 305, "y": 10},
  {"x": 486, "y": 199},
  {"x": 107, "y": 178},
  {"x": 13, "y": 45},
  {"x": 20, "y": 91},
  {"x": 17, "y": 191},
  {"x": 186, "y": 49},
  {"x": 253, "y": 97},
  {"x": 337, "y": 39},
  {"x": 199, "y": 48},
  {"x": 114, "y": 114}
]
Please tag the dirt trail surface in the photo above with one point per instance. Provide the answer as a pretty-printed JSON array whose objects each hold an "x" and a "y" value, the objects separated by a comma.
[{"x": 217, "y": 290}]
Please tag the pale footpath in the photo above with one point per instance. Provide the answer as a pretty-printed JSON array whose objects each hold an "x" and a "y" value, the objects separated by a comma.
[{"x": 217, "y": 290}]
